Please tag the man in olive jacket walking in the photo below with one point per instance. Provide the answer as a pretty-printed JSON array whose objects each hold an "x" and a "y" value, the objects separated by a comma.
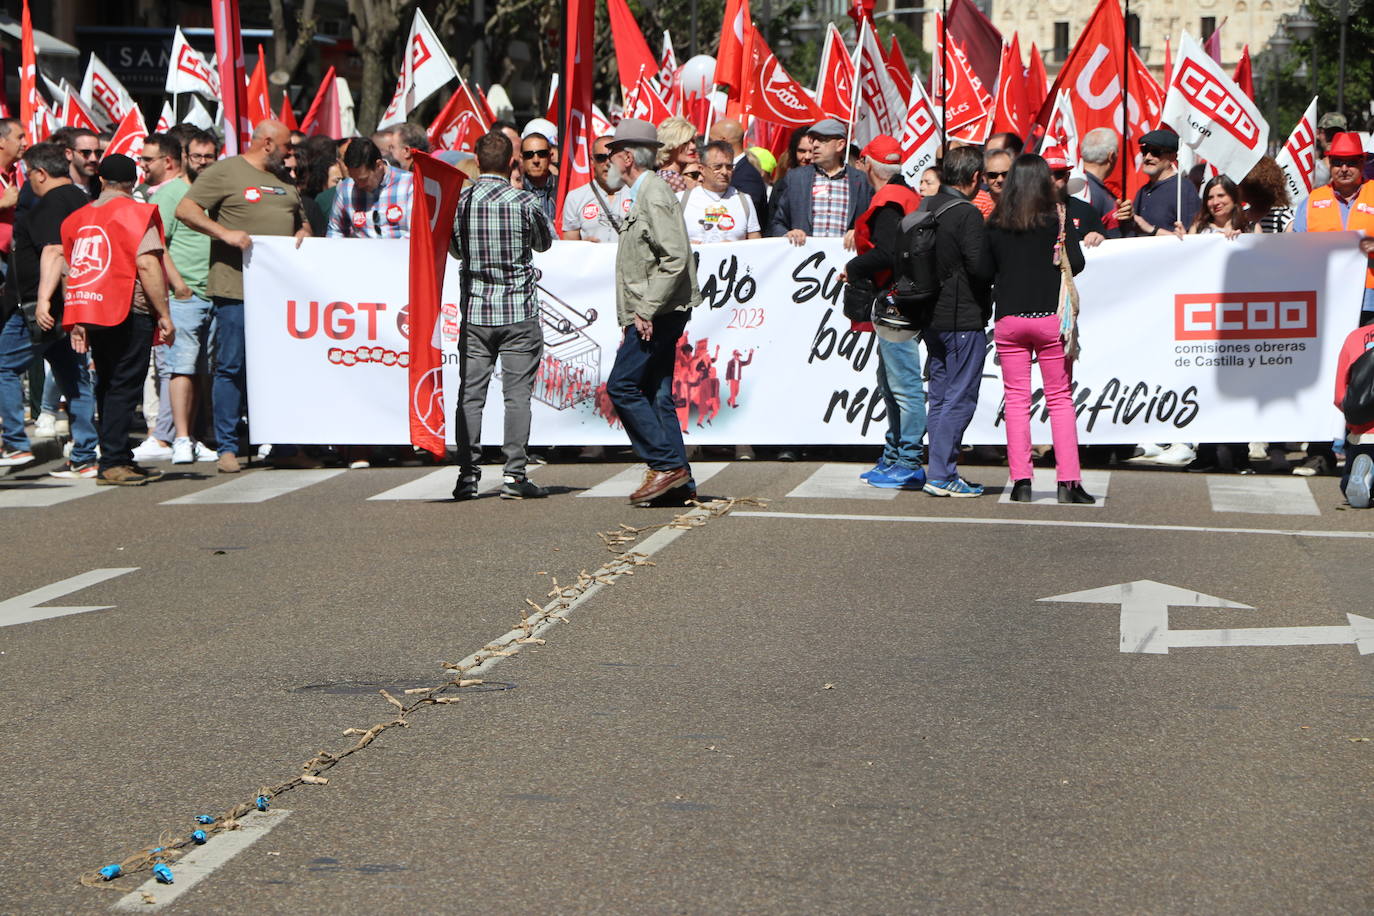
[{"x": 655, "y": 292}]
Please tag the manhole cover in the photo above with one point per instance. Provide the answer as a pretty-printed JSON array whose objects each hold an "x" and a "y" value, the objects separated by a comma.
[{"x": 394, "y": 687}]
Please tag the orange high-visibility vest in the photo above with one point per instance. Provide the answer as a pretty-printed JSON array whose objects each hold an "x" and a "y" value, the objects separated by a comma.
[
  {"x": 101, "y": 246},
  {"x": 1324, "y": 215}
]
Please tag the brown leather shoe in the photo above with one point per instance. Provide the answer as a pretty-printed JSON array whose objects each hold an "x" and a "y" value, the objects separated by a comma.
[
  {"x": 120, "y": 476},
  {"x": 657, "y": 483},
  {"x": 228, "y": 463}
]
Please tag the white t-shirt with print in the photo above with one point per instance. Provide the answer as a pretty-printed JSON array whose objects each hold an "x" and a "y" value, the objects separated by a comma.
[
  {"x": 713, "y": 217},
  {"x": 582, "y": 211}
]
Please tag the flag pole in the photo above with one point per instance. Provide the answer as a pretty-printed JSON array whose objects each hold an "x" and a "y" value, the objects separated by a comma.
[
  {"x": 944, "y": 64},
  {"x": 1125, "y": 95}
]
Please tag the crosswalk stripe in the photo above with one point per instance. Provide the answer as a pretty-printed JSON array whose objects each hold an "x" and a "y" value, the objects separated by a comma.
[
  {"x": 438, "y": 485},
  {"x": 1262, "y": 495},
  {"x": 1045, "y": 488},
  {"x": 255, "y": 487},
  {"x": 39, "y": 495},
  {"x": 839, "y": 481},
  {"x": 627, "y": 481}
]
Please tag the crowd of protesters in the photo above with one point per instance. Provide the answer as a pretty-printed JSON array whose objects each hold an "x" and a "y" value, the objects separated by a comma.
[{"x": 1008, "y": 232}]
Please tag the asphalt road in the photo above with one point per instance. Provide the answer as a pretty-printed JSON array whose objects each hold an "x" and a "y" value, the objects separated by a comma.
[{"x": 828, "y": 704}]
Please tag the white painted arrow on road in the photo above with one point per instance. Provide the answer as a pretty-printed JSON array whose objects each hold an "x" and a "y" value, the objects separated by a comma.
[
  {"x": 24, "y": 608},
  {"x": 1145, "y": 621}
]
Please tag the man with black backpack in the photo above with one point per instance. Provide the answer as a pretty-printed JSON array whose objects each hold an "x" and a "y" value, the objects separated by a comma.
[{"x": 956, "y": 343}]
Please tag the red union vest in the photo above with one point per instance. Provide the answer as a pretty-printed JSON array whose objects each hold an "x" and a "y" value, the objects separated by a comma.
[
  {"x": 898, "y": 194},
  {"x": 1324, "y": 215},
  {"x": 101, "y": 247}
]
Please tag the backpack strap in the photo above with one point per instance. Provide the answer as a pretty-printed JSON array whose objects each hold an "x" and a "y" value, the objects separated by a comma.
[{"x": 611, "y": 216}]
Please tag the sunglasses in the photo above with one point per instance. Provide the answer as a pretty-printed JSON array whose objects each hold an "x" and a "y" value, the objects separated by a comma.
[
  {"x": 1154, "y": 151},
  {"x": 993, "y": 176},
  {"x": 601, "y": 157},
  {"x": 535, "y": 154},
  {"x": 1060, "y": 174},
  {"x": 694, "y": 175},
  {"x": 87, "y": 153}
]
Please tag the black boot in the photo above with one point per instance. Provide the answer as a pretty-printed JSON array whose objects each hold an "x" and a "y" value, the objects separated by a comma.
[
  {"x": 1020, "y": 491},
  {"x": 1073, "y": 492}
]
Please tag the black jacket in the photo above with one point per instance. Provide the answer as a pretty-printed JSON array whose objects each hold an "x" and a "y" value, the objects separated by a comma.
[
  {"x": 747, "y": 180},
  {"x": 1022, "y": 266},
  {"x": 965, "y": 302},
  {"x": 884, "y": 231}
]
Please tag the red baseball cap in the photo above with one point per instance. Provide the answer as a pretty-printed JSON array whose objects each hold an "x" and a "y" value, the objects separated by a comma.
[
  {"x": 1345, "y": 145},
  {"x": 1055, "y": 158},
  {"x": 884, "y": 149}
]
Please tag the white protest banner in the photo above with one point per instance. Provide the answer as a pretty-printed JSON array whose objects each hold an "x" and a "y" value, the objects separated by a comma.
[
  {"x": 1193, "y": 340},
  {"x": 1298, "y": 158},
  {"x": 1212, "y": 115}
]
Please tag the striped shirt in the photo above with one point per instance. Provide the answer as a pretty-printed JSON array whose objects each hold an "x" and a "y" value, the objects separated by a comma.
[
  {"x": 380, "y": 214},
  {"x": 829, "y": 204},
  {"x": 506, "y": 227}
]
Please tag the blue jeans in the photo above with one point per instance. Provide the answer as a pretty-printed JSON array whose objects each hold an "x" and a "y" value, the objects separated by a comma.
[
  {"x": 73, "y": 379},
  {"x": 228, "y": 387},
  {"x": 641, "y": 388},
  {"x": 899, "y": 383},
  {"x": 956, "y": 373}
]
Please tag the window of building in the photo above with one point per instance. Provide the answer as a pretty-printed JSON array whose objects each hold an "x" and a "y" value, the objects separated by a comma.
[
  {"x": 1208, "y": 26},
  {"x": 1133, "y": 30},
  {"x": 1061, "y": 41}
]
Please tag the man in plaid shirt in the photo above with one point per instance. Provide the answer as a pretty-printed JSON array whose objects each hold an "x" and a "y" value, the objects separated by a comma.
[
  {"x": 373, "y": 202},
  {"x": 496, "y": 231}
]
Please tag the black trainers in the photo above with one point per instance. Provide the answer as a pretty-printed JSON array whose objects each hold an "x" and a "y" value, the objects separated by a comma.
[
  {"x": 521, "y": 488},
  {"x": 466, "y": 487}
]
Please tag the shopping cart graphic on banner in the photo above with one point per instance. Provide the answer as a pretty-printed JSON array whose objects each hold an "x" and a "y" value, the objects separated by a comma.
[{"x": 570, "y": 371}]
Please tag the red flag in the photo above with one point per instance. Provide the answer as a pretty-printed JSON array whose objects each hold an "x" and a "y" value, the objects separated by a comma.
[
  {"x": 835, "y": 82},
  {"x": 460, "y": 124},
  {"x": 486, "y": 106},
  {"x": 1012, "y": 113},
  {"x": 980, "y": 39},
  {"x": 1212, "y": 45},
  {"x": 896, "y": 66},
  {"x": 966, "y": 101},
  {"x": 322, "y": 117},
  {"x": 576, "y": 86},
  {"x": 1244, "y": 77},
  {"x": 861, "y": 11},
  {"x": 1092, "y": 77},
  {"x": 76, "y": 114},
  {"x": 288, "y": 114},
  {"x": 644, "y": 102},
  {"x": 772, "y": 95},
  {"x": 434, "y": 203},
  {"x": 734, "y": 30},
  {"x": 129, "y": 135},
  {"x": 234, "y": 93},
  {"x": 1168, "y": 66},
  {"x": 32, "y": 108},
  {"x": 1037, "y": 83},
  {"x": 631, "y": 50},
  {"x": 259, "y": 100}
]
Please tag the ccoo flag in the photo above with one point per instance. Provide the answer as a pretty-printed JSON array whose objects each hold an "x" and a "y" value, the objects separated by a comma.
[
  {"x": 1212, "y": 115},
  {"x": 1298, "y": 157}
]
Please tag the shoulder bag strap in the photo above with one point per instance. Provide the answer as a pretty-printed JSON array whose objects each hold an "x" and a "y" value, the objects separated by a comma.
[{"x": 611, "y": 215}]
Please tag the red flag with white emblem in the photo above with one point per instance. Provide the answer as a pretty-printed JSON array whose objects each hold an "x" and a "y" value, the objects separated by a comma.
[
  {"x": 897, "y": 68},
  {"x": 645, "y": 103},
  {"x": 771, "y": 94},
  {"x": 259, "y": 99},
  {"x": 233, "y": 88},
  {"x": 1012, "y": 112},
  {"x": 129, "y": 135},
  {"x": 460, "y": 124},
  {"x": 434, "y": 203},
  {"x": 31, "y": 104},
  {"x": 76, "y": 114},
  {"x": 576, "y": 87},
  {"x": 730, "y": 59},
  {"x": 632, "y": 52},
  {"x": 835, "y": 82},
  {"x": 323, "y": 115},
  {"x": 921, "y": 140}
]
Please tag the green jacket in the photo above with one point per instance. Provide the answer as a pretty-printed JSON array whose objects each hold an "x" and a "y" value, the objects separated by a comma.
[{"x": 654, "y": 270}]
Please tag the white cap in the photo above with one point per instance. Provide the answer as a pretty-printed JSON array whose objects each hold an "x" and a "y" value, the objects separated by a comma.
[{"x": 544, "y": 127}]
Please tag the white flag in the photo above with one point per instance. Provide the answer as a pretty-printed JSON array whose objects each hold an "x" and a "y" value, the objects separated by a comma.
[
  {"x": 103, "y": 93},
  {"x": 57, "y": 91},
  {"x": 1212, "y": 115},
  {"x": 348, "y": 127},
  {"x": 426, "y": 69},
  {"x": 880, "y": 108},
  {"x": 189, "y": 71},
  {"x": 921, "y": 140},
  {"x": 166, "y": 119},
  {"x": 1298, "y": 157},
  {"x": 198, "y": 115}
]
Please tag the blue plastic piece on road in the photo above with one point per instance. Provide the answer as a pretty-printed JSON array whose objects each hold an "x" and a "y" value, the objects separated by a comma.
[
  {"x": 163, "y": 874},
  {"x": 198, "y": 836},
  {"x": 263, "y": 803},
  {"x": 110, "y": 872},
  {"x": 204, "y": 819},
  {"x": 159, "y": 849}
]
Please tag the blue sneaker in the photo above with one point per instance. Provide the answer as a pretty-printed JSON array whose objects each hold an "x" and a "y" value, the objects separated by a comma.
[
  {"x": 898, "y": 477},
  {"x": 1361, "y": 477},
  {"x": 879, "y": 469},
  {"x": 958, "y": 487}
]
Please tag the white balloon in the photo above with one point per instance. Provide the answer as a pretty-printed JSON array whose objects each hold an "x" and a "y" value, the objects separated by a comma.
[{"x": 697, "y": 76}]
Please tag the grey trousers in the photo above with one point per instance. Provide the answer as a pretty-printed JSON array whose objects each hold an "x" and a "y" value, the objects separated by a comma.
[{"x": 519, "y": 346}]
